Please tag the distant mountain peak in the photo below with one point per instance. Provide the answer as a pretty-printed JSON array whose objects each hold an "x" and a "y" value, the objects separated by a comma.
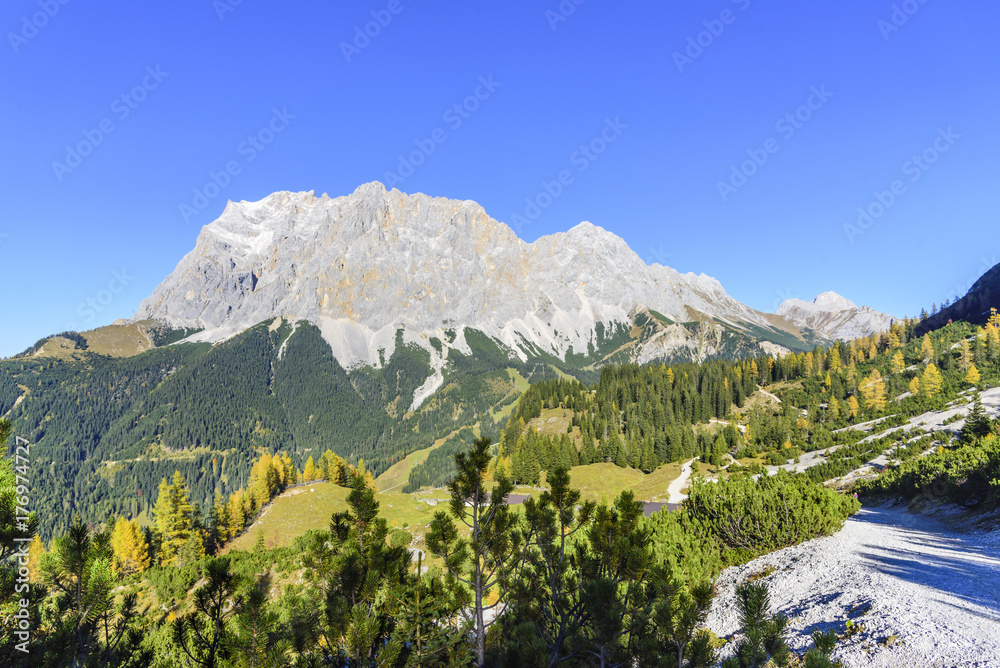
[
  {"x": 829, "y": 302},
  {"x": 834, "y": 316}
]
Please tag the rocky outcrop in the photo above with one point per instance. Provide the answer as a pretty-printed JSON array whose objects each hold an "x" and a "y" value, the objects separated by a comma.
[{"x": 831, "y": 316}]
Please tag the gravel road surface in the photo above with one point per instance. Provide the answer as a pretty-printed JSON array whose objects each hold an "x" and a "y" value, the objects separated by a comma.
[{"x": 926, "y": 595}]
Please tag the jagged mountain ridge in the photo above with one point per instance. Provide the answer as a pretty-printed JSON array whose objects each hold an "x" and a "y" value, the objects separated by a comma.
[
  {"x": 366, "y": 265},
  {"x": 834, "y": 317}
]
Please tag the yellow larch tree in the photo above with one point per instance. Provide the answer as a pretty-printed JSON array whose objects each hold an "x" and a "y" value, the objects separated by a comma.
[
  {"x": 972, "y": 375},
  {"x": 927, "y": 349},
  {"x": 852, "y": 352},
  {"x": 35, "y": 551},
  {"x": 503, "y": 467},
  {"x": 893, "y": 338},
  {"x": 873, "y": 391},
  {"x": 129, "y": 546},
  {"x": 898, "y": 364},
  {"x": 237, "y": 513},
  {"x": 834, "y": 358},
  {"x": 992, "y": 334},
  {"x": 222, "y": 519},
  {"x": 915, "y": 386},
  {"x": 853, "y": 409},
  {"x": 365, "y": 474},
  {"x": 310, "y": 472},
  {"x": 930, "y": 382},
  {"x": 965, "y": 356},
  {"x": 289, "y": 474},
  {"x": 333, "y": 468},
  {"x": 264, "y": 479},
  {"x": 175, "y": 519}
]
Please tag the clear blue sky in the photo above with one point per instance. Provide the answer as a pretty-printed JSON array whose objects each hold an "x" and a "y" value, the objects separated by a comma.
[{"x": 206, "y": 84}]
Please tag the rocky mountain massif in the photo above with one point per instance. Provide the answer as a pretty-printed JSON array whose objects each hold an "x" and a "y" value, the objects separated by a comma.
[{"x": 368, "y": 265}]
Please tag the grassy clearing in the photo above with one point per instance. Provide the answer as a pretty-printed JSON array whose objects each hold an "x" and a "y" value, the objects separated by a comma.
[
  {"x": 553, "y": 422},
  {"x": 520, "y": 387},
  {"x": 397, "y": 474},
  {"x": 60, "y": 348},
  {"x": 654, "y": 486},
  {"x": 118, "y": 340},
  {"x": 520, "y": 382},
  {"x": 759, "y": 399},
  {"x": 562, "y": 374},
  {"x": 310, "y": 507},
  {"x": 604, "y": 482},
  {"x": 293, "y": 513}
]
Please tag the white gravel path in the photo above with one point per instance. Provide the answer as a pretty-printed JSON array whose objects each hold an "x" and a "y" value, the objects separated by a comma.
[
  {"x": 895, "y": 573},
  {"x": 674, "y": 489}
]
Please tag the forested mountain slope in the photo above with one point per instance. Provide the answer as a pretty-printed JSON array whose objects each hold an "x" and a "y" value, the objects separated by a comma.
[{"x": 106, "y": 430}]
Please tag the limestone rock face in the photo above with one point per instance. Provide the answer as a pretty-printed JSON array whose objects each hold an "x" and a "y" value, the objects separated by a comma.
[
  {"x": 363, "y": 266},
  {"x": 831, "y": 316}
]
